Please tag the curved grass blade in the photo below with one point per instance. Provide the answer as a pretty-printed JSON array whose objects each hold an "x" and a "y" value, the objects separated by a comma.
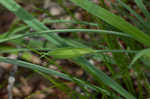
[
  {"x": 63, "y": 31},
  {"x": 113, "y": 20},
  {"x": 45, "y": 21},
  {"x": 29, "y": 19},
  {"x": 145, "y": 52},
  {"x": 51, "y": 72},
  {"x": 103, "y": 77}
]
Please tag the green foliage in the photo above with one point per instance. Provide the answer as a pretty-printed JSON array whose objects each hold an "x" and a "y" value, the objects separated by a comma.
[
  {"x": 63, "y": 53},
  {"x": 114, "y": 49},
  {"x": 145, "y": 53},
  {"x": 113, "y": 20}
]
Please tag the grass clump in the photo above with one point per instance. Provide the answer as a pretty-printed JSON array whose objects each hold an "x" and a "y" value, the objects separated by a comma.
[{"x": 110, "y": 41}]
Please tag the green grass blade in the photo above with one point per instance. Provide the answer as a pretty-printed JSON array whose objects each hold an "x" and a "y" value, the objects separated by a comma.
[
  {"x": 64, "y": 53},
  {"x": 10, "y": 50},
  {"x": 118, "y": 23},
  {"x": 46, "y": 21},
  {"x": 51, "y": 72},
  {"x": 62, "y": 31},
  {"x": 28, "y": 19},
  {"x": 113, "y": 20},
  {"x": 145, "y": 52},
  {"x": 143, "y": 9},
  {"x": 135, "y": 14},
  {"x": 67, "y": 53},
  {"x": 87, "y": 31},
  {"x": 100, "y": 76}
]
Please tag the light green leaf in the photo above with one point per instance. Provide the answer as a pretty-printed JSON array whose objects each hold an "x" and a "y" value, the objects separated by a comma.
[{"x": 66, "y": 53}]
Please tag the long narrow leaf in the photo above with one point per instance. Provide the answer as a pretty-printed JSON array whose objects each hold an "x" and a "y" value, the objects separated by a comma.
[
  {"x": 62, "y": 31},
  {"x": 103, "y": 77},
  {"x": 67, "y": 53},
  {"x": 49, "y": 71},
  {"x": 70, "y": 21},
  {"x": 135, "y": 14},
  {"x": 143, "y": 9},
  {"x": 113, "y": 20},
  {"x": 28, "y": 19}
]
